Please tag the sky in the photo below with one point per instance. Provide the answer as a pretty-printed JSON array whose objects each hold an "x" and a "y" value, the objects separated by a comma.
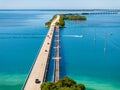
[{"x": 59, "y": 4}]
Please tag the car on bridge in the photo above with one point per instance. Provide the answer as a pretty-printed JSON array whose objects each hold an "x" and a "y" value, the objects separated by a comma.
[{"x": 37, "y": 81}]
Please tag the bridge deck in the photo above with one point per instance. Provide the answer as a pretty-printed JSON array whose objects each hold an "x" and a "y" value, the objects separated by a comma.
[{"x": 38, "y": 70}]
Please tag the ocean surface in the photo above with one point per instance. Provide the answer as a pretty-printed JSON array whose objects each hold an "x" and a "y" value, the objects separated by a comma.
[{"x": 82, "y": 48}]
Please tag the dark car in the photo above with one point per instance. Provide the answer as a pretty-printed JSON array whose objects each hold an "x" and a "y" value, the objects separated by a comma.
[
  {"x": 37, "y": 81},
  {"x": 46, "y": 51}
]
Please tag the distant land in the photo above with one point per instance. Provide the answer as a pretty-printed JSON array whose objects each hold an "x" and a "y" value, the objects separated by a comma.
[
  {"x": 59, "y": 9},
  {"x": 63, "y": 17}
]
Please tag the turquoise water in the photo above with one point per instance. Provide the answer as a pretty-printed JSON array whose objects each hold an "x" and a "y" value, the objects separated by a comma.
[
  {"x": 21, "y": 35},
  {"x": 83, "y": 59}
]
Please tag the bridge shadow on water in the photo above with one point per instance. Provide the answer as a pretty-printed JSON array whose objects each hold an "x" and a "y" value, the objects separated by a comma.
[
  {"x": 50, "y": 68},
  {"x": 62, "y": 55}
]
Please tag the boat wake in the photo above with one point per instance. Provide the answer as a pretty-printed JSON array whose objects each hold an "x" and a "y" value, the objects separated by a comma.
[{"x": 74, "y": 36}]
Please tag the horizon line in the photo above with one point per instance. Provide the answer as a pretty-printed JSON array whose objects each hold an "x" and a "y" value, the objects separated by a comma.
[{"x": 37, "y": 9}]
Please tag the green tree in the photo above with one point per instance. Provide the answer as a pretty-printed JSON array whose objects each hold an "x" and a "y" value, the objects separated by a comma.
[
  {"x": 48, "y": 86},
  {"x": 63, "y": 84},
  {"x": 82, "y": 86},
  {"x": 66, "y": 82}
]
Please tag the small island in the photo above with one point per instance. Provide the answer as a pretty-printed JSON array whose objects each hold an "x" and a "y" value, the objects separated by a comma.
[
  {"x": 73, "y": 17},
  {"x": 65, "y": 83},
  {"x": 63, "y": 17}
]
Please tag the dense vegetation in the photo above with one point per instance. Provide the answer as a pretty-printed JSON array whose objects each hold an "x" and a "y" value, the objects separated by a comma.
[
  {"x": 63, "y": 17},
  {"x": 73, "y": 17},
  {"x": 61, "y": 22},
  {"x": 47, "y": 24},
  {"x": 63, "y": 84}
]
